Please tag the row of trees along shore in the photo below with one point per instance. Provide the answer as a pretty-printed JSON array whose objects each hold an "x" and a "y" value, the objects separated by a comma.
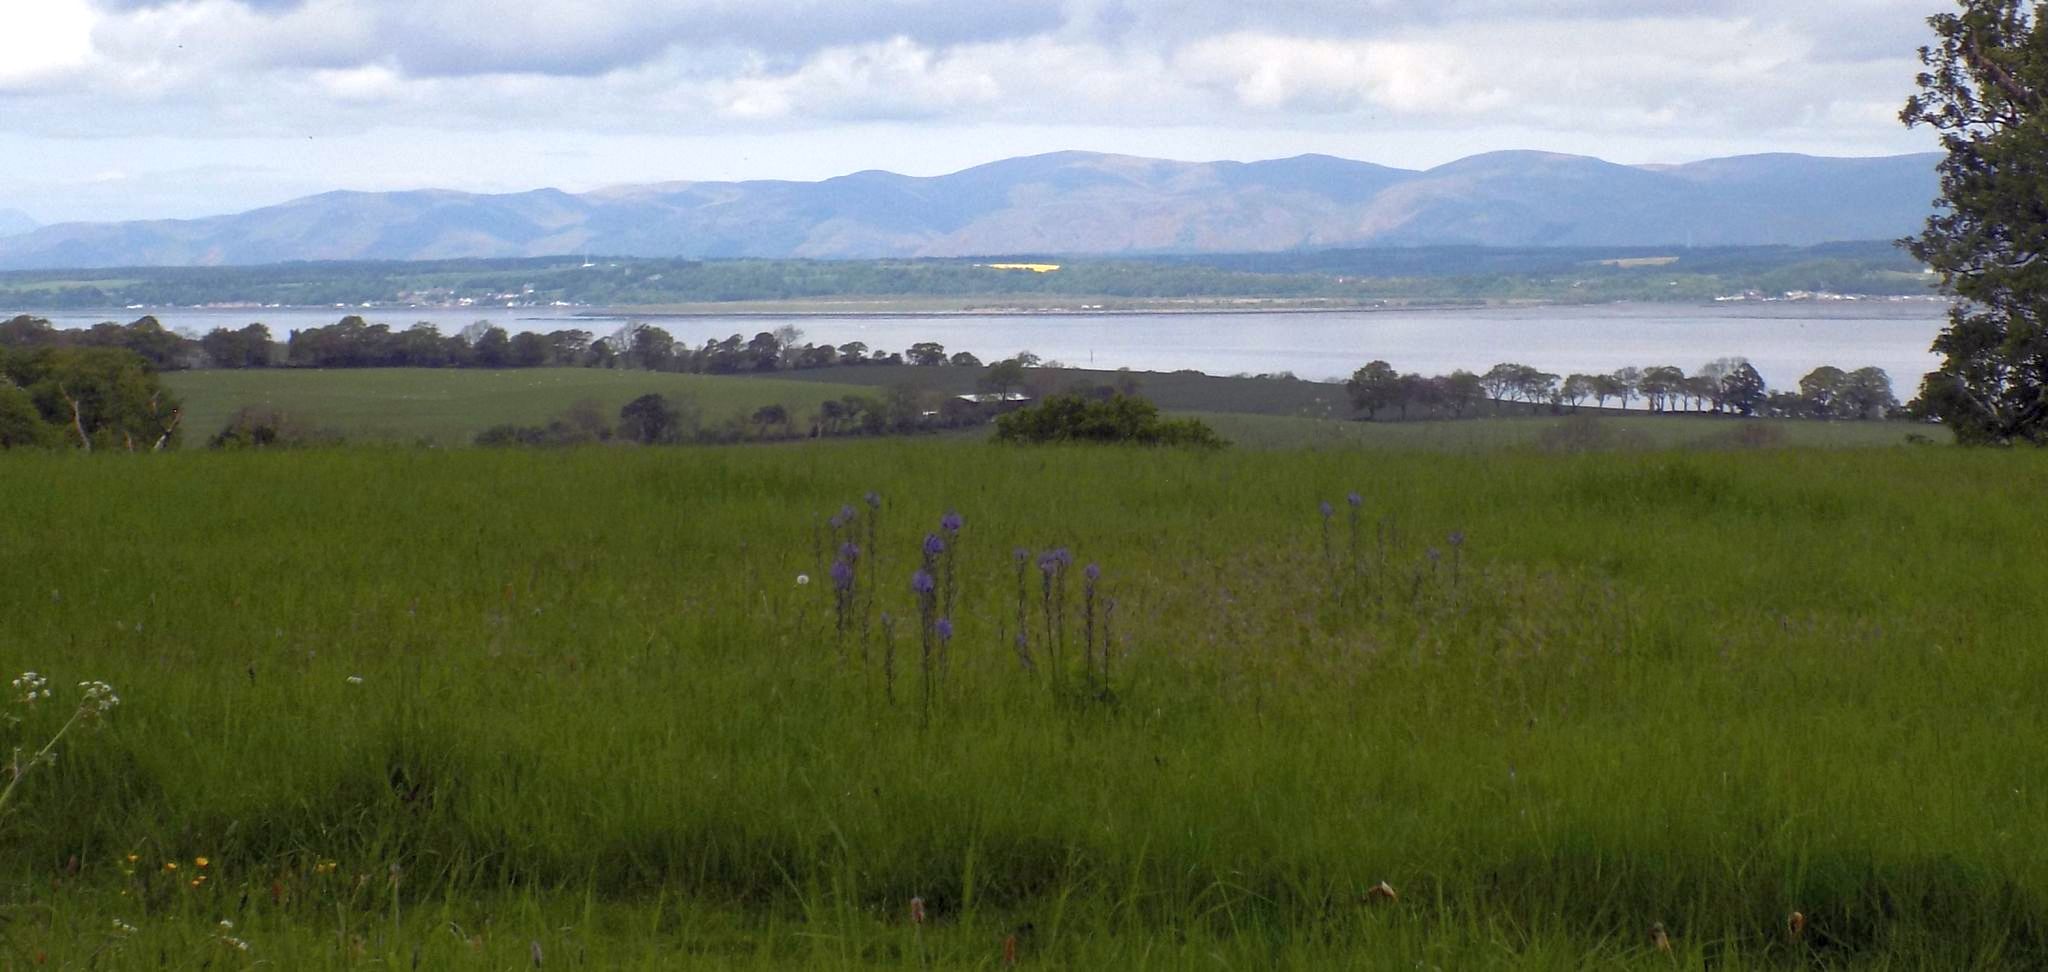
[
  {"x": 1725, "y": 386},
  {"x": 353, "y": 342}
]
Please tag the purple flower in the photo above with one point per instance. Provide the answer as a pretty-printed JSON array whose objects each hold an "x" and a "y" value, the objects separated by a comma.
[
  {"x": 944, "y": 629},
  {"x": 1049, "y": 562},
  {"x": 1066, "y": 559},
  {"x": 874, "y": 500},
  {"x": 933, "y": 545},
  {"x": 1355, "y": 500},
  {"x": 1457, "y": 538},
  {"x": 849, "y": 551},
  {"x": 842, "y": 575},
  {"x": 846, "y": 513},
  {"x": 836, "y": 521},
  {"x": 1433, "y": 554},
  {"x": 1021, "y": 554},
  {"x": 1328, "y": 510},
  {"x": 921, "y": 582},
  {"x": 951, "y": 522},
  {"x": 1092, "y": 572}
]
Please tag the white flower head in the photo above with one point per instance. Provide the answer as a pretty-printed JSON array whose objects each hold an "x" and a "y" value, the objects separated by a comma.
[
  {"x": 802, "y": 579},
  {"x": 355, "y": 680}
]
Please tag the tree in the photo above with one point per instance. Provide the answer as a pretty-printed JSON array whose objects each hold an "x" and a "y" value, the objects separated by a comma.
[
  {"x": 1374, "y": 387},
  {"x": 1742, "y": 389},
  {"x": 1578, "y": 388},
  {"x": 651, "y": 419},
  {"x": 1462, "y": 390},
  {"x": 21, "y": 425},
  {"x": 1502, "y": 380},
  {"x": 1983, "y": 90},
  {"x": 926, "y": 354},
  {"x": 97, "y": 398},
  {"x": 964, "y": 359},
  {"x": 1627, "y": 383},
  {"x": 1002, "y": 376},
  {"x": 1821, "y": 390},
  {"x": 1867, "y": 394},
  {"x": 1660, "y": 385}
]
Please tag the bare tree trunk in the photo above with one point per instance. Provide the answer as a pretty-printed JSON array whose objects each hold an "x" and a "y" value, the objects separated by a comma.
[
  {"x": 77, "y": 418},
  {"x": 176, "y": 415}
]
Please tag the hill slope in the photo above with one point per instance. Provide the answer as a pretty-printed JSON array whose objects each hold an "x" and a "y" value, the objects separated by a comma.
[{"x": 1066, "y": 202}]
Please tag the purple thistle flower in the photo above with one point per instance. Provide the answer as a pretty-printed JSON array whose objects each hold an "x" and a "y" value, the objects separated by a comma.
[
  {"x": 1049, "y": 562},
  {"x": 1328, "y": 510},
  {"x": 1092, "y": 572},
  {"x": 1066, "y": 559},
  {"x": 921, "y": 582},
  {"x": 1433, "y": 554},
  {"x": 944, "y": 629},
  {"x": 836, "y": 521},
  {"x": 1021, "y": 554},
  {"x": 846, "y": 513},
  {"x": 874, "y": 500},
  {"x": 1355, "y": 500},
  {"x": 849, "y": 551},
  {"x": 1457, "y": 538},
  {"x": 842, "y": 575},
  {"x": 951, "y": 522},
  {"x": 933, "y": 545}
]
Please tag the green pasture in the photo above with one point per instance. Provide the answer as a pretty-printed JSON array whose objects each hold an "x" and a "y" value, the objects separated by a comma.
[
  {"x": 503, "y": 709},
  {"x": 450, "y": 406},
  {"x": 1603, "y": 431}
]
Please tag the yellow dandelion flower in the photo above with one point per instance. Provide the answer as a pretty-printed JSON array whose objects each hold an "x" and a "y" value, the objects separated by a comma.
[
  {"x": 132, "y": 858},
  {"x": 170, "y": 865},
  {"x": 200, "y": 861},
  {"x": 201, "y": 879}
]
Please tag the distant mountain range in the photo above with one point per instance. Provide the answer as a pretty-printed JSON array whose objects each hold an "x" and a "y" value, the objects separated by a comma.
[
  {"x": 1062, "y": 203},
  {"x": 15, "y": 221}
]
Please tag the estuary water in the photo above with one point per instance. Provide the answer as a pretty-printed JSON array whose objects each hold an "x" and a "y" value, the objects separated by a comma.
[{"x": 1783, "y": 339}]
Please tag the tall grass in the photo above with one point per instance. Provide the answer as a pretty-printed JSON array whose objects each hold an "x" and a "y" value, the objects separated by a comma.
[{"x": 597, "y": 716}]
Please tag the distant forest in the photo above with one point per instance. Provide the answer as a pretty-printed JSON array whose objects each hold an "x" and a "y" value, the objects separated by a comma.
[{"x": 1428, "y": 274}]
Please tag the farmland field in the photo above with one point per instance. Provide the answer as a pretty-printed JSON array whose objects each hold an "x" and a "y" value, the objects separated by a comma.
[
  {"x": 450, "y": 406},
  {"x": 604, "y": 708}
]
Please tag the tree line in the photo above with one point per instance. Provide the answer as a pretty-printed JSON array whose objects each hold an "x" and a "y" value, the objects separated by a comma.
[
  {"x": 353, "y": 342},
  {"x": 1725, "y": 386}
]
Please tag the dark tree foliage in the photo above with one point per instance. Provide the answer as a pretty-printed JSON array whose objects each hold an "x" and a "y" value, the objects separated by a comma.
[
  {"x": 1117, "y": 419},
  {"x": 1983, "y": 90},
  {"x": 90, "y": 398}
]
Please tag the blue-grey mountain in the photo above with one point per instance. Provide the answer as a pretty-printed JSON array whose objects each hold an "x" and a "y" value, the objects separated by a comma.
[
  {"x": 14, "y": 221},
  {"x": 1062, "y": 203}
]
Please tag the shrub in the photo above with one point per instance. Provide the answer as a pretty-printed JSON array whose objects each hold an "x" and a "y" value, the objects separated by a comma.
[
  {"x": 268, "y": 428},
  {"x": 1120, "y": 418}
]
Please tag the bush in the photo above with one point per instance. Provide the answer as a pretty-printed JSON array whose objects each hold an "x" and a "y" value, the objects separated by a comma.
[
  {"x": 268, "y": 428},
  {"x": 1120, "y": 418}
]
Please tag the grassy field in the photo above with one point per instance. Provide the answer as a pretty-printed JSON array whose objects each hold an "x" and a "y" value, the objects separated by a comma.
[
  {"x": 506, "y": 709},
  {"x": 450, "y": 406},
  {"x": 1593, "y": 432}
]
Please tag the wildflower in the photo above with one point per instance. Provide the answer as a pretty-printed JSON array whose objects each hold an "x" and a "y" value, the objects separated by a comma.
[
  {"x": 1457, "y": 538},
  {"x": 951, "y": 522},
  {"x": 1092, "y": 572},
  {"x": 325, "y": 867},
  {"x": 1795, "y": 926},
  {"x": 31, "y": 687},
  {"x": 944, "y": 629},
  {"x": 355, "y": 680},
  {"x": 1433, "y": 554},
  {"x": 1381, "y": 892},
  {"x": 132, "y": 858},
  {"x": 1659, "y": 939},
  {"x": 921, "y": 582},
  {"x": 842, "y": 575},
  {"x": 226, "y": 925},
  {"x": 1354, "y": 499},
  {"x": 934, "y": 545},
  {"x": 917, "y": 911},
  {"x": 201, "y": 861},
  {"x": 201, "y": 879},
  {"x": 849, "y": 552},
  {"x": 846, "y": 513},
  {"x": 123, "y": 927},
  {"x": 874, "y": 500},
  {"x": 170, "y": 865},
  {"x": 802, "y": 579},
  {"x": 1327, "y": 509},
  {"x": 1021, "y": 554}
]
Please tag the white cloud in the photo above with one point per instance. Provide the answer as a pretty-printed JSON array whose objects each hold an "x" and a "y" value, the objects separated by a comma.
[{"x": 43, "y": 41}]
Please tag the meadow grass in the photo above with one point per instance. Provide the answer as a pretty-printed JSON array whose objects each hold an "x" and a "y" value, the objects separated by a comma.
[
  {"x": 1588, "y": 432},
  {"x": 450, "y": 707},
  {"x": 450, "y": 406}
]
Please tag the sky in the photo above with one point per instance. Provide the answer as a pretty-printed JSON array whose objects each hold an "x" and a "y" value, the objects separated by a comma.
[{"x": 124, "y": 109}]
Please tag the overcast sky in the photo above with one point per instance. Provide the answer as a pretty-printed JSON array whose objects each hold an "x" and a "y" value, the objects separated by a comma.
[{"x": 116, "y": 109}]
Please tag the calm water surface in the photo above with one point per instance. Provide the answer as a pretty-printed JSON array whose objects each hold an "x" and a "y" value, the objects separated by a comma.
[{"x": 1783, "y": 340}]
